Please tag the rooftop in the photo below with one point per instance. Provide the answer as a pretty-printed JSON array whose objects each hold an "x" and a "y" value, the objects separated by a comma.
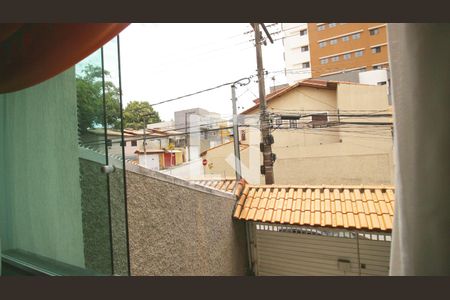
[
  {"x": 351, "y": 207},
  {"x": 226, "y": 185}
]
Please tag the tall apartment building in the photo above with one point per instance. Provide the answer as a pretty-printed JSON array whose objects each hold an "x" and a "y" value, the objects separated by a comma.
[
  {"x": 296, "y": 51},
  {"x": 333, "y": 48}
]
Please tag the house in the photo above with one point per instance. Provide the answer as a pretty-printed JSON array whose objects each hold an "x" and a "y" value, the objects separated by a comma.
[
  {"x": 204, "y": 129},
  {"x": 317, "y": 230},
  {"x": 324, "y": 132}
]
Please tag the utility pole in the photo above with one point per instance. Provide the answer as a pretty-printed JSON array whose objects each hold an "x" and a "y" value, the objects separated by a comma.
[
  {"x": 266, "y": 137},
  {"x": 145, "y": 134},
  {"x": 237, "y": 155},
  {"x": 188, "y": 138}
]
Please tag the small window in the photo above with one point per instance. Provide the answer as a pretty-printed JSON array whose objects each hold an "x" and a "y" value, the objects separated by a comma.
[
  {"x": 335, "y": 58},
  {"x": 374, "y": 31},
  {"x": 319, "y": 120},
  {"x": 345, "y": 38},
  {"x": 242, "y": 135},
  {"x": 303, "y": 32},
  {"x": 381, "y": 83},
  {"x": 333, "y": 42},
  {"x": 359, "y": 53},
  {"x": 305, "y": 65},
  {"x": 292, "y": 123},
  {"x": 376, "y": 49},
  {"x": 347, "y": 56},
  {"x": 124, "y": 143},
  {"x": 331, "y": 25},
  {"x": 356, "y": 36},
  {"x": 324, "y": 61},
  {"x": 322, "y": 44},
  {"x": 304, "y": 48},
  {"x": 321, "y": 27},
  {"x": 134, "y": 143},
  {"x": 377, "y": 67}
]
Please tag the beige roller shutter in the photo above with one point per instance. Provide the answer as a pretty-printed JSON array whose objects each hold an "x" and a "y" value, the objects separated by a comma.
[{"x": 293, "y": 253}]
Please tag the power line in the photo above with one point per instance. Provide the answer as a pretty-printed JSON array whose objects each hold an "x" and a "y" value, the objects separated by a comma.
[{"x": 200, "y": 92}]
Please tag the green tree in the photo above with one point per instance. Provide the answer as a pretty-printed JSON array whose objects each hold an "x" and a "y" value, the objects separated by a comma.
[
  {"x": 90, "y": 100},
  {"x": 136, "y": 112}
]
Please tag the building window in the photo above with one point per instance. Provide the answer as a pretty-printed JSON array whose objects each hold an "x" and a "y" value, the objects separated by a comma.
[
  {"x": 319, "y": 120},
  {"x": 374, "y": 31},
  {"x": 333, "y": 42},
  {"x": 356, "y": 36},
  {"x": 324, "y": 61},
  {"x": 359, "y": 53},
  {"x": 345, "y": 38},
  {"x": 376, "y": 49},
  {"x": 124, "y": 143},
  {"x": 321, "y": 27},
  {"x": 322, "y": 44},
  {"x": 134, "y": 143},
  {"x": 381, "y": 83},
  {"x": 335, "y": 58},
  {"x": 347, "y": 56},
  {"x": 292, "y": 123},
  {"x": 305, "y": 65},
  {"x": 332, "y": 25},
  {"x": 303, "y": 32},
  {"x": 304, "y": 48},
  {"x": 242, "y": 135},
  {"x": 377, "y": 67}
]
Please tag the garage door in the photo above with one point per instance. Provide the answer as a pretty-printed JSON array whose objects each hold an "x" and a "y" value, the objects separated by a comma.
[{"x": 281, "y": 250}]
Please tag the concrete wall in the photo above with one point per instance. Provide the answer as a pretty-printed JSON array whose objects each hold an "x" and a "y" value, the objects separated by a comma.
[
  {"x": 181, "y": 229},
  {"x": 40, "y": 201}
]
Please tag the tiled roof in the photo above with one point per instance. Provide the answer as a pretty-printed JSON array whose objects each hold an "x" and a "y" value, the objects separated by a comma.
[
  {"x": 226, "y": 185},
  {"x": 323, "y": 84},
  {"x": 356, "y": 207}
]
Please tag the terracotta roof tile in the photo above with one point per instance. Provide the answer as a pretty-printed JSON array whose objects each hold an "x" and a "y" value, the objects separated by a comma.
[
  {"x": 226, "y": 185},
  {"x": 362, "y": 207}
]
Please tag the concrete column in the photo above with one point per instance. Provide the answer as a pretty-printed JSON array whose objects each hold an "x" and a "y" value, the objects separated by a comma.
[{"x": 420, "y": 68}]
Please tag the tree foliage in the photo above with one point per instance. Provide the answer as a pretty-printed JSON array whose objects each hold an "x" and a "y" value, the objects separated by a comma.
[
  {"x": 136, "y": 112},
  {"x": 90, "y": 100}
]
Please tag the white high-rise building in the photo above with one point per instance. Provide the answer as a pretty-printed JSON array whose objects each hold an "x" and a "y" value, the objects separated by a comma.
[{"x": 296, "y": 51}]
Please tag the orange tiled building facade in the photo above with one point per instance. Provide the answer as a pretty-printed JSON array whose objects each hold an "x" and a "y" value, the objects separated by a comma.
[{"x": 335, "y": 47}]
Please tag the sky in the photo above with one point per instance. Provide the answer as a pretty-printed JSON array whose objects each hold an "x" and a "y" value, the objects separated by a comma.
[{"x": 164, "y": 61}]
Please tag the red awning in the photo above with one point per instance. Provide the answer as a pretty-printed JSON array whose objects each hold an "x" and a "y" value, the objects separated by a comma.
[{"x": 33, "y": 53}]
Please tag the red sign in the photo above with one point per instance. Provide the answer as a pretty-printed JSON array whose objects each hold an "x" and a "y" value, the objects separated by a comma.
[{"x": 204, "y": 162}]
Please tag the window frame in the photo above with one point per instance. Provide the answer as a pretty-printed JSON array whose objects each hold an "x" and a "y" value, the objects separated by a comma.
[
  {"x": 374, "y": 31},
  {"x": 323, "y": 44},
  {"x": 356, "y": 36},
  {"x": 376, "y": 50},
  {"x": 359, "y": 51}
]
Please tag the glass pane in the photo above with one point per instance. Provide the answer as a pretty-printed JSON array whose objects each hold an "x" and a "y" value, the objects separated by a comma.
[
  {"x": 55, "y": 211},
  {"x": 115, "y": 157},
  {"x": 93, "y": 155}
]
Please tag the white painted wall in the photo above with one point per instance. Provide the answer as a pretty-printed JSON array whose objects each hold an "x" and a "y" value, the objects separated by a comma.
[
  {"x": 373, "y": 77},
  {"x": 150, "y": 161},
  {"x": 293, "y": 56}
]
